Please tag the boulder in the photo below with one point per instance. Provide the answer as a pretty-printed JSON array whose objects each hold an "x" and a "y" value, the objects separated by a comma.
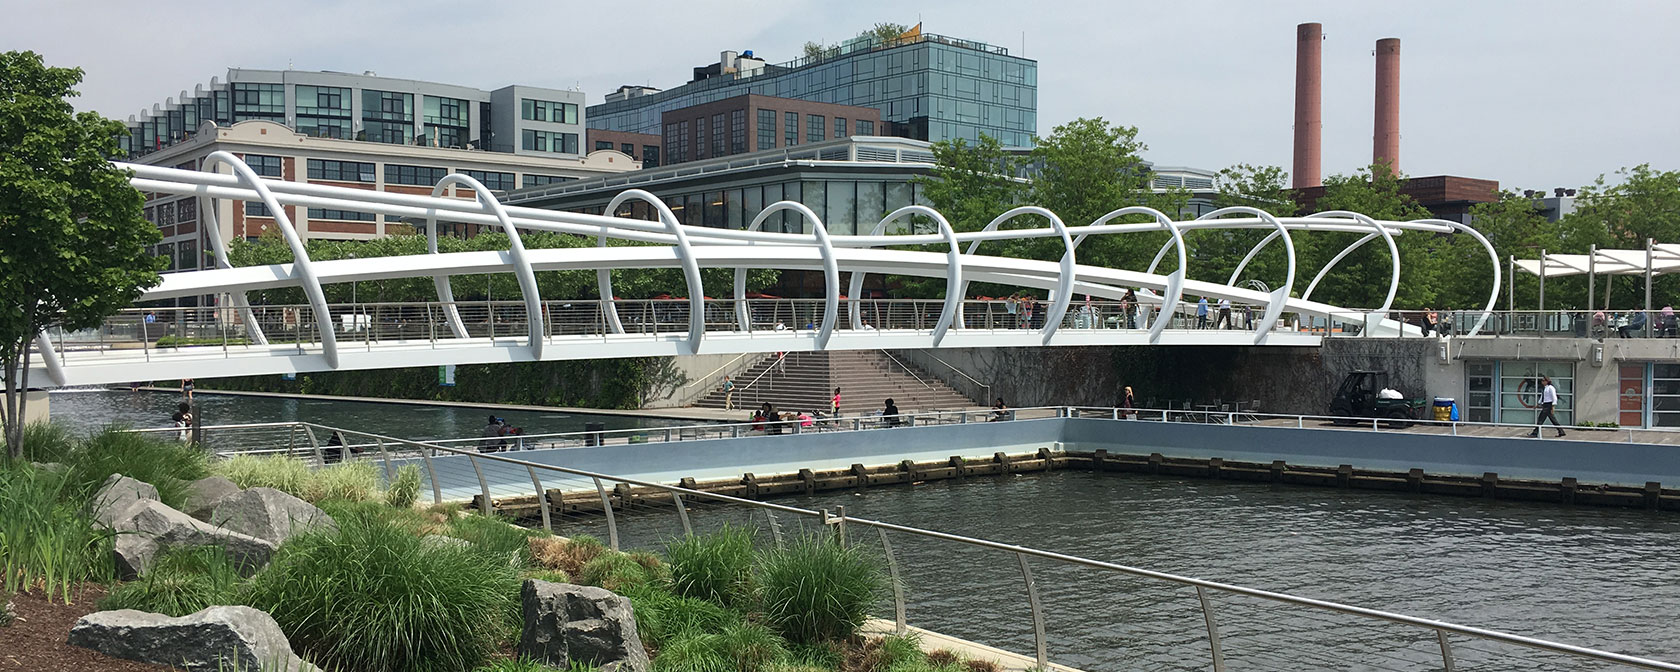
[
  {"x": 204, "y": 494},
  {"x": 564, "y": 623},
  {"x": 215, "y": 639},
  {"x": 150, "y": 526},
  {"x": 117, "y": 496},
  {"x": 266, "y": 513}
]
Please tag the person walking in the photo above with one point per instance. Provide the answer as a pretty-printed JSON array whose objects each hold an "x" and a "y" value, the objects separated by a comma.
[
  {"x": 834, "y": 404},
  {"x": 728, "y": 394},
  {"x": 1548, "y": 401},
  {"x": 187, "y": 389},
  {"x": 1201, "y": 313},
  {"x": 1224, "y": 315},
  {"x": 1129, "y": 305},
  {"x": 1129, "y": 402}
]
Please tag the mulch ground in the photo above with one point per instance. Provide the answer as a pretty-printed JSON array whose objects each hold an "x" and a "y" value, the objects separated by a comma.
[{"x": 36, "y": 641}]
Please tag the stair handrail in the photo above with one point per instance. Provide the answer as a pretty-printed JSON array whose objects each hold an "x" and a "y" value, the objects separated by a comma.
[
  {"x": 715, "y": 371},
  {"x": 767, "y": 370},
  {"x": 960, "y": 372},
  {"x": 907, "y": 369}
]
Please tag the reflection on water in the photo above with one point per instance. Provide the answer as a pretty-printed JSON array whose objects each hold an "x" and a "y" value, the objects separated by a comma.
[
  {"x": 1600, "y": 578},
  {"x": 85, "y": 410}
]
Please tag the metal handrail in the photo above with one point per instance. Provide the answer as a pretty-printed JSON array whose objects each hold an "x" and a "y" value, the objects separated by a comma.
[
  {"x": 907, "y": 369},
  {"x": 841, "y": 521},
  {"x": 960, "y": 372},
  {"x": 714, "y": 372}
]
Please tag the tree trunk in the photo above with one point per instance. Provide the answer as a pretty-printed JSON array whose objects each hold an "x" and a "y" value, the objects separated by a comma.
[{"x": 12, "y": 415}]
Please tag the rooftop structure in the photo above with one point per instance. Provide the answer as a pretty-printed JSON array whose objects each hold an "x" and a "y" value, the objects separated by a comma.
[{"x": 931, "y": 87}]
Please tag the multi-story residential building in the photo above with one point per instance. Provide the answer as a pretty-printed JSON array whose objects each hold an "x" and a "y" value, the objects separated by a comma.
[
  {"x": 929, "y": 87},
  {"x": 277, "y": 152},
  {"x": 514, "y": 119},
  {"x": 643, "y": 147},
  {"x": 752, "y": 123}
]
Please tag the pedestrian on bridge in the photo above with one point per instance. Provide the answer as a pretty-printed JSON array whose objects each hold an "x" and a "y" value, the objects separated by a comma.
[
  {"x": 1127, "y": 304},
  {"x": 1224, "y": 315},
  {"x": 1201, "y": 313}
]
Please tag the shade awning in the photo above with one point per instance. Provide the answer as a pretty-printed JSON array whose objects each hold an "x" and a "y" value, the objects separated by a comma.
[{"x": 1664, "y": 258}]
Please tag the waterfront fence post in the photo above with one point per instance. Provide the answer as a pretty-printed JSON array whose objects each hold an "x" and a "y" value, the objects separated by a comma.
[
  {"x": 897, "y": 584},
  {"x": 775, "y": 527},
  {"x": 483, "y": 486},
  {"x": 385, "y": 455},
  {"x": 1037, "y": 613},
  {"x": 1212, "y": 629},
  {"x": 682, "y": 513},
  {"x": 840, "y": 525},
  {"x": 606, "y": 508},
  {"x": 1446, "y": 651},
  {"x": 314, "y": 445},
  {"x": 542, "y": 498},
  {"x": 437, "y": 491}
]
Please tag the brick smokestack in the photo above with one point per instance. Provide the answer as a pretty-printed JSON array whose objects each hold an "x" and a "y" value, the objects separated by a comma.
[
  {"x": 1385, "y": 145},
  {"x": 1309, "y": 120}
]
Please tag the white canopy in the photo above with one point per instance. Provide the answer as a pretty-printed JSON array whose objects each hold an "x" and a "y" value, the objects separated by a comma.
[{"x": 1664, "y": 258}]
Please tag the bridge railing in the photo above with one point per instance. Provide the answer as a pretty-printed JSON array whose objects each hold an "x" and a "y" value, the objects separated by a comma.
[
  {"x": 1221, "y": 625},
  {"x": 1506, "y": 323}
]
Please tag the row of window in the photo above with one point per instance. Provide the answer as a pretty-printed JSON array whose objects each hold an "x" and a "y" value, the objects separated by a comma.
[
  {"x": 361, "y": 171},
  {"x": 543, "y": 110},
  {"x": 845, "y": 206},
  {"x": 547, "y": 141},
  {"x": 343, "y": 171}
]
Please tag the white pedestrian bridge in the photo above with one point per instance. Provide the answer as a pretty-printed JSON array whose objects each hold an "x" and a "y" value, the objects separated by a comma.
[{"x": 1084, "y": 304}]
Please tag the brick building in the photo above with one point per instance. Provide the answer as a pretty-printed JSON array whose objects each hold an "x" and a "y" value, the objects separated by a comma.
[{"x": 752, "y": 123}]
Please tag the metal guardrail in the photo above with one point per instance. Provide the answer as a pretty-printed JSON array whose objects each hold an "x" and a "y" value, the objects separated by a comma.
[
  {"x": 1505, "y": 323},
  {"x": 436, "y": 458}
]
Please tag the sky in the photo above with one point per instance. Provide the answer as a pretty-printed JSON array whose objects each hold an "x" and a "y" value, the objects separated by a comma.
[{"x": 1535, "y": 94}]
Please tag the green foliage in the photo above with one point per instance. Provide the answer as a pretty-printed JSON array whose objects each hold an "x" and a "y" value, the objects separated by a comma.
[
  {"x": 73, "y": 241},
  {"x": 886, "y": 33},
  {"x": 1359, "y": 281},
  {"x": 166, "y": 464},
  {"x": 815, "y": 589},
  {"x": 348, "y": 481},
  {"x": 528, "y": 665},
  {"x": 737, "y": 647},
  {"x": 48, "y": 442},
  {"x": 275, "y": 471},
  {"x": 662, "y": 617},
  {"x": 715, "y": 567},
  {"x": 180, "y": 582},
  {"x": 405, "y": 489},
  {"x": 549, "y": 575},
  {"x": 47, "y": 540},
  {"x": 370, "y": 596},
  {"x": 620, "y": 572},
  {"x": 495, "y": 538}
]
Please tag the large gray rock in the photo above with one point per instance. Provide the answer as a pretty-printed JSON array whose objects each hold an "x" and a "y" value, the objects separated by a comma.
[
  {"x": 566, "y": 623},
  {"x": 215, "y": 639},
  {"x": 266, "y": 513},
  {"x": 119, "y": 494},
  {"x": 204, "y": 494},
  {"x": 150, "y": 526}
]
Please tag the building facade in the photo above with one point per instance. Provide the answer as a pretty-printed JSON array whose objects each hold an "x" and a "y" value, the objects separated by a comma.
[
  {"x": 753, "y": 123},
  {"x": 930, "y": 87},
  {"x": 277, "y": 152},
  {"x": 516, "y": 119},
  {"x": 642, "y": 147}
]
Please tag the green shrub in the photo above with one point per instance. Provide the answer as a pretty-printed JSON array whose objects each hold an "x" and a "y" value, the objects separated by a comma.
[
  {"x": 495, "y": 538},
  {"x": 528, "y": 665},
  {"x": 348, "y": 481},
  {"x": 899, "y": 651},
  {"x": 370, "y": 596},
  {"x": 662, "y": 617},
  {"x": 47, "y": 540},
  {"x": 737, "y": 647},
  {"x": 694, "y": 652},
  {"x": 180, "y": 582},
  {"x": 405, "y": 488},
  {"x": 815, "y": 589},
  {"x": 549, "y": 575},
  {"x": 47, "y": 442},
  {"x": 716, "y": 567},
  {"x": 167, "y": 465},
  {"x": 274, "y": 471},
  {"x": 567, "y": 555},
  {"x": 618, "y": 572}
]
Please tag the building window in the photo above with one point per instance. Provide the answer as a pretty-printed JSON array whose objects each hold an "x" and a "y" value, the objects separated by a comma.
[
  {"x": 603, "y": 144},
  {"x": 420, "y": 176},
  {"x": 186, "y": 210},
  {"x": 346, "y": 215},
  {"x": 546, "y": 141},
  {"x": 737, "y": 131},
  {"x": 682, "y": 143},
  {"x": 1519, "y": 390},
  {"x": 815, "y": 127},
  {"x": 650, "y": 156},
  {"x": 189, "y": 253},
  {"x": 493, "y": 181},
  {"x": 387, "y": 116},
  {"x": 259, "y": 101},
  {"x": 324, "y": 127},
  {"x": 717, "y": 135},
  {"x": 543, "y": 110},
  {"x": 766, "y": 129},
  {"x": 839, "y": 127},
  {"x": 865, "y": 127},
  {"x": 266, "y": 166},
  {"x": 256, "y": 209},
  {"x": 166, "y": 215},
  {"x": 543, "y": 180},
  {"x": 389, "y": 132},
  {"x": 323, "y": 111},
  {"x": 792, "y": 129},
  {"x": 629, "y": 148},
  {"x": 342, "y": 171},
  {"x": 446, "y": 121}
]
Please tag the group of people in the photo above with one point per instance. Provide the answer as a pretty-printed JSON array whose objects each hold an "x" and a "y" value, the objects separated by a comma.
[
  {"x": 1224, "y": 320},
  {"x": 498, "y": 436},
  {"x": 1631, "y": 324}
]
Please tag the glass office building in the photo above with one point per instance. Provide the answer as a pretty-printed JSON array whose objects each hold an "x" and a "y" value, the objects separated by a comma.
[{"x": 930, "y": 87}]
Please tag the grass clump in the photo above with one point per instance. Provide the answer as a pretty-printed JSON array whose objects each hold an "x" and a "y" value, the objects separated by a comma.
[
  {"x": 716, "y": 567},
  {"x": 549, "y": 575},
  {"x": 349, "y": 481},
  {"x": 815, "y": 589},
  {"x": 662, "y": 617},
  {"x": 528, "y": 665},
  {"x": 180, "y": 582},
  {"x": 405, "y": 488},
  {"x": 274, "y": 471},
  {"x": 566, "y": 555},
  {"x": 621, "y": 572},
  {"x": 495, "y": 537},
  {"x": 370, "y": 596},
  {"x": 47, "y": 540},
  {"x": 47, "y": 442},
  {"x": 737, "y": 647},
  {"x": 167, "y": 465}
]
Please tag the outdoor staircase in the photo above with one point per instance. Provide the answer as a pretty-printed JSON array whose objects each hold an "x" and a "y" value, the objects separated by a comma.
[{"x": 866, "y": 378}]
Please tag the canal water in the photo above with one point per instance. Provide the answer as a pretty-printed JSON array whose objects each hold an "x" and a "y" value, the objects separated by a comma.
[
  {"x": 1592, "y": 577},
  {"x": 85, "y": 410}
]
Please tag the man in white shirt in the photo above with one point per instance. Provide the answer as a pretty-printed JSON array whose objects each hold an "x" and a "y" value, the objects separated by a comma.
[
  {"x": 1224, "y": 315},
  {"x": 1548, "y": 399}
]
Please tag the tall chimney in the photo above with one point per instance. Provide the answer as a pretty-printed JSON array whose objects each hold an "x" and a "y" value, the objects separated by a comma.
[
  {"x": 1309, "y": 122},
  {"x": 1385, "y": 145}
]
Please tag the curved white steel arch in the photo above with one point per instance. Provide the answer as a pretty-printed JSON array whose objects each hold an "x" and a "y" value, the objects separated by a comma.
[
  {"x": 831, "y": 268},
  {"x": 213, "y": 228},
  {"x": 1174, "y": 291},
  {"x": 1393, "y": 253},
  {"x": 301, "y": 266},
  {"x": 1274, "y": 306},
  {"x": 953, "y": 277},
  {"x": 603, "y": 276},
  {"x": 1064, "y": 290},
  {"x": 516, "y": 253}
]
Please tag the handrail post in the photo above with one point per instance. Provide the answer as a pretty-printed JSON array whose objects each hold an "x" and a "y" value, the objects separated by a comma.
[
  {"x": 1037, "y": 613},
  {"x": 606, "y": 508},
  {"x": 1212, "y": 629},
  {"x": 542, "y": 498},
  {"x": 1446, "y": 651},
  {"x": 483, "y": 486},
  {"x": 897, "y": 584},
  {"x": 682, "y": 513},
  {"x": 431, "y": 470},
  {"x": 390, "y": 474}
]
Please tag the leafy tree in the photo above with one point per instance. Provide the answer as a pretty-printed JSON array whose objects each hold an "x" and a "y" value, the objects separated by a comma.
[
  {"x": 72, "y": 238},
  {"x": 1645, "y": 204},
  {"x": 971, "y": 185},
  {"x": 887, "y": 33},
  {"x": 1360, "y": 279},
  {"x": 815, "y": 51},
  {"x": 1217, "y": 252},
  {"x": 1514, "y": 226},
  {"x": 1087, "y": 168}
]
